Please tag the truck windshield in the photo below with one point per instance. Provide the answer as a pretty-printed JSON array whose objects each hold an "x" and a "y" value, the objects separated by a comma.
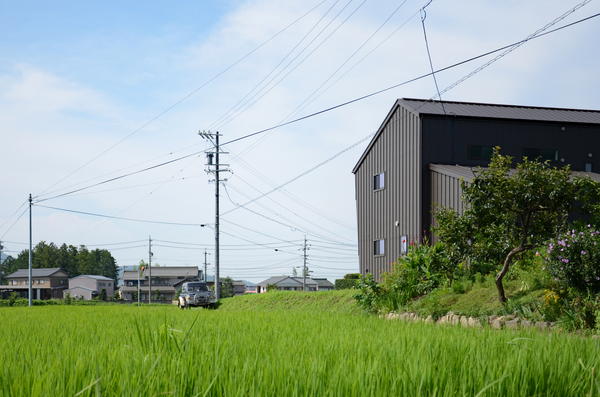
[{"x": 197, "y": 287}]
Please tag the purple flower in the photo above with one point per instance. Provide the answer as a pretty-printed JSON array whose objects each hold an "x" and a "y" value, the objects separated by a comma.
[
  {"x": 561, "y": 242},
  {"x": 583, "y": 252},
  {"x": 565, "y": 260}
]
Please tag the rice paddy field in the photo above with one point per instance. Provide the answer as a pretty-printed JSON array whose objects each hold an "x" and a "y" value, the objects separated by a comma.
[{"x": 276, "y": 350}]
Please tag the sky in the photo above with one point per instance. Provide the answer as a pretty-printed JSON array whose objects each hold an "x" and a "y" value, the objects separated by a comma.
[{"x": 95, "y": 90}]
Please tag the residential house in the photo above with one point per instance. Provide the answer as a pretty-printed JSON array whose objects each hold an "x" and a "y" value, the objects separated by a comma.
[
  {"x": 89, "y": 286},
  {"x": 165, "y": 282},
  {"x": 46, "y": 283},
  {"x": 291, "y": 283},
  {"x": 403, "y": 174},
  {"x": 323, "y": 284}
]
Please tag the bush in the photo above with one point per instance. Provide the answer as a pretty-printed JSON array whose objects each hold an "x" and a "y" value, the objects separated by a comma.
[
  {"x": 423, "y": 269},
  {"x": 574, "y": 260},
  {"x": 349, "y": 281},
  {"x": 369, "y": 295}
]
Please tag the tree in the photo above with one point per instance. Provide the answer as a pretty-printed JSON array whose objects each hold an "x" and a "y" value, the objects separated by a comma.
[
  {"x": 226, "y": 287},
  {"x": 350, "y": 280},
  {"x": 509, "y": 212}
]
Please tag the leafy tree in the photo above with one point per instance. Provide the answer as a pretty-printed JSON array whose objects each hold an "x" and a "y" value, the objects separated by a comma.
[
  {"x": 350, "y": 280},
  {"x": 509, "y": 212},
  {"x": 102, "y": 296},
  {"x": 226, "y": 287}
]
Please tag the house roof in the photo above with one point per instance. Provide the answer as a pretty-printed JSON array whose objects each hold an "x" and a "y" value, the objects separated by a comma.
[
  {"x": 40, "y": 272},
  {"x": 323, "y": 282},
  {"x": 467, "y": 173},
  {"x": 484, "y": 110},
  {"x": 501, "y": 111},
  {"x": 164, "y": 271},
  {"x": 94, "y": 276},
  {"x": 286, "y": 281}
]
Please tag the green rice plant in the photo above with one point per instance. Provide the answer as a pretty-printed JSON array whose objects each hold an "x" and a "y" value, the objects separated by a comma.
[{"x": 119, "y": 350}]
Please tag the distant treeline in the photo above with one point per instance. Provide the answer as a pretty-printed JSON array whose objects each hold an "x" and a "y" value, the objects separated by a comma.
[{"x": 74, "y": 260}]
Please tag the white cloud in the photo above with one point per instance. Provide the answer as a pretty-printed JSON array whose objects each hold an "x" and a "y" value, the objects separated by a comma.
[{"x": 44, "y": 139}]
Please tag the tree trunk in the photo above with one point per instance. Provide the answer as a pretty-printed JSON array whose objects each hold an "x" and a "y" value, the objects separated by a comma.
[{"x": 505, "y": 267}]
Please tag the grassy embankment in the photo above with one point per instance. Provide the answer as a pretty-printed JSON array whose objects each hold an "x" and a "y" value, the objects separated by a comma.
[{"x": 256, "y": 345}]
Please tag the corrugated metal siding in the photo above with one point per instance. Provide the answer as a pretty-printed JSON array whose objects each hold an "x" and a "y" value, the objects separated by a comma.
[
  {"x": 446, "y": 192},
  {"x": 397, "y": 153}
]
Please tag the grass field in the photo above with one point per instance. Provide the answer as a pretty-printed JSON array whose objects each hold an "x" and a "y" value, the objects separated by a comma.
[{"x": 316, "y": 349}]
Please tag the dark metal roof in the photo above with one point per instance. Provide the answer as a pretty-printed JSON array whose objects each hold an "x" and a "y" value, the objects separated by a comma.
[
  {"x": 42, "y": 272},
  {"x": 498, "y": 111},
  {"x": 466, "y": 173},
  {"x": 484, "y": 110}
]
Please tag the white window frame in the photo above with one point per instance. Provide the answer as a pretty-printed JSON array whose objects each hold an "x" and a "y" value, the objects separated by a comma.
[
  {"x": 379, "y": 250},
  {"x": 381, "y": 186}
]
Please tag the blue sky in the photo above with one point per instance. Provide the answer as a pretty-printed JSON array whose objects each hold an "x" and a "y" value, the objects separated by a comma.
[{"x": 76, "y": 77}]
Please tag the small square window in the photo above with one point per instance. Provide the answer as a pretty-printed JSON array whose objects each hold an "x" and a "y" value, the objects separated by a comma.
[
  {"x": 378, "y": 181},
  {"x": 588, "y": 167},
  {"x": 379, "y": 247}
]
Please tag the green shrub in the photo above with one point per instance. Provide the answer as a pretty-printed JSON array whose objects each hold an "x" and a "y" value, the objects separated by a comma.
[
  {"x": 423, "y": 269},
  {"x": 574, "y": 260},
  {"x": 349, "y": 281}
]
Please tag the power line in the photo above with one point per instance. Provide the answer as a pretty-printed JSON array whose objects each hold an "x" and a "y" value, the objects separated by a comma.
[
  {"x": 188, "y": 95},
  {"x": 412, "y": 80},
  {"x": 14, "y": 223},
  {"x": 360, "y": 47},
  {"x": 355, "y": 64},
  {"x": 310, "y": 53},
  {"x": 276, "y": 213},
  {"x": 122, "y": 218},
  {"x": 241, "y": 101},
  {"x": 300, "y": 175},
  {"x": 423, "y": 17},
  {"x": 331, "y": 108}
]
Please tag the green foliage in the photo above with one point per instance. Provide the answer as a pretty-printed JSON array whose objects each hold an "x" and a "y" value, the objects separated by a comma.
[
  {"x": 102, "y": 296},
  {"x": 573, "y": 259},
  {"x": 271, "y": 287},
  {"x": 316, "y": 302},
  {"x": 508, "y": 212},
  {"x": 163, "y": 351},
  {"x": 369, "y": 294},
  {"x": 349, "y": 281},
  {"x": 73, "y": 260},
  {"x": 423, "y": 269}
]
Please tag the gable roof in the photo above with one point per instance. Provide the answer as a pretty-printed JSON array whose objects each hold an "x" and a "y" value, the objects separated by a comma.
[
  {"x": 283, "y": 281},
  {"x": 94, "y": 276},
  {"x": 484, "y": 110},
  {"x": 39, "y": 272},
  {"x": 323, "y": 282},
  {"x": 163, "y": 271}
]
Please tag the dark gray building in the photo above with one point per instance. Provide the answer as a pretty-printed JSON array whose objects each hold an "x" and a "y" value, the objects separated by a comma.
[{"x": 397, "y": 180}]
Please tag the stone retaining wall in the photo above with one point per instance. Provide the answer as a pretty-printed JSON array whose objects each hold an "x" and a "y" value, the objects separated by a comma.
[{"x": 497, "y": 322}]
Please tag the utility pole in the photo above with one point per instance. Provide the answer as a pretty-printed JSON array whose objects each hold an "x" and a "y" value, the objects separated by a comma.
[
  {"x": 138, "y": 285},
  {"x": 205, "y": 266},
  {"x": 30, "y": 254},
  {"x": 150, "y": 269},
  {"x": 304, "y": 269},
  {"x": 215, "y": 168}
]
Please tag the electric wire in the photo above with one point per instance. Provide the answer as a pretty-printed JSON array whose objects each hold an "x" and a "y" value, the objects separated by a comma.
[
  {"x": 188, "y": 95},
  {"x": 241, "y": 101},
  {"x": 263, "y": 94},
  {"x": 423, "y": 17},
  {"x": 121, "y": 218},
  {"x": 356, "y": 51},
  {"x": 331, "y": 108}
]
